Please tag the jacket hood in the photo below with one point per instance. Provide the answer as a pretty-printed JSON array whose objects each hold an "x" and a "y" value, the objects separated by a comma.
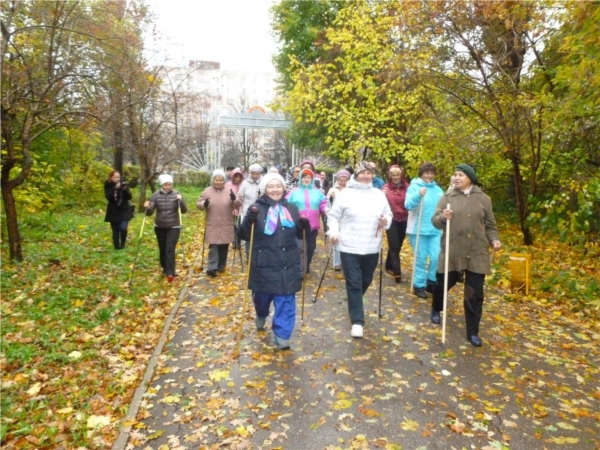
[
  {"x": 236, "y": 171},
  {"x": 312, "y": 178},
  {"x": 422, "y": 183}
]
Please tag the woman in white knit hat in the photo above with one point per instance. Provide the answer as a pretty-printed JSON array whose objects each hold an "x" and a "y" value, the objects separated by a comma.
[
  {"x": 218, "y": 203},
  {"x": 275, "y": 274},
  {"x": 167, "y": 226}
]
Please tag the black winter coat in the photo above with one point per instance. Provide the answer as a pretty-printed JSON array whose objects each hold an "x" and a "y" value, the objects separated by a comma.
[
  {"x": 276, "y": 263},
  {"x": 117, "y": 209}
]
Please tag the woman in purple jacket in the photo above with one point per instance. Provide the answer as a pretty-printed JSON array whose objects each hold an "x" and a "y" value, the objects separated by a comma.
[{"x": 395, "y": 192}]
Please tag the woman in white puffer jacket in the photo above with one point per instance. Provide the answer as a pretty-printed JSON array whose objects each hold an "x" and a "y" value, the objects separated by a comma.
[{"x": 356, "y": 222}]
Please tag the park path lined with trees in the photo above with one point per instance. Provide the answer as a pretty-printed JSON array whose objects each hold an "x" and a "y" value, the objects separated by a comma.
[{"x": 510, "y": 87}]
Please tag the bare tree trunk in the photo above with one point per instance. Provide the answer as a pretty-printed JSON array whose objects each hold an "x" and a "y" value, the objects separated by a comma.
[
  {"x": 9, "y": 161},
  {"x": 12, "y": 227},
  {"x": 521, "y": 202}
]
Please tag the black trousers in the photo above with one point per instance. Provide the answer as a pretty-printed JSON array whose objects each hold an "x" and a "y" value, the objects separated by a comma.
[
  {"x": 395, "y": 237},
  {"x": 358, "y": 272},
  {"x": 167, "y": 241},
  {"x": 119, "y": 233},
  {"x": 311, "y": 245},
  {"x": 473, "y": 297}
]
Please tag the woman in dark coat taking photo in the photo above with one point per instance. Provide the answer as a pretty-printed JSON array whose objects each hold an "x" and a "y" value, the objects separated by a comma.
[
  {"x": 275, "y": 274},
  {"x": 118, "y": 212}
]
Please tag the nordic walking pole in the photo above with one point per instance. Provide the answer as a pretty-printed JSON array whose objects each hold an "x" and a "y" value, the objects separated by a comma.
[
  {"x": 239, "y": 244},
  {"x": 203, "y": 241},
  {"x": 380, "y": 276},
  {"x": 303, "y": 270},
  {"x": 416, "y": 252},
  {"x": 446, "y": 259},
  {"x": 181, "y": 225},
  {"x": 314, "y": 300},
  {"x": 138, "y": 248},
  {"x": 239, "y": 342}
]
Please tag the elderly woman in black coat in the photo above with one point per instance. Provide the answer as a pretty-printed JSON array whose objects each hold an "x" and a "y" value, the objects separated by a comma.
[
  {"x": 275, "y": 274},
  {"x": 118, "y": 211}
]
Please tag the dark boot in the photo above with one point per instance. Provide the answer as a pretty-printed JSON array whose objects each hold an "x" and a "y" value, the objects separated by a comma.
[
  {"x": 115, "y": 236},
  {"x": 123, "y": 238}
]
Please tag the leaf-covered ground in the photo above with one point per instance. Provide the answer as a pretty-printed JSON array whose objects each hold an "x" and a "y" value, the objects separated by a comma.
[
  {"x": 76, "y": 341},
  {"x": 534, "y": 385},
  {"x": 76, "y": 338}
]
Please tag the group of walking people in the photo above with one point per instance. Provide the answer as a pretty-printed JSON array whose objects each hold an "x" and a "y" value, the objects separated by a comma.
[{"x": 282, "y": 219}]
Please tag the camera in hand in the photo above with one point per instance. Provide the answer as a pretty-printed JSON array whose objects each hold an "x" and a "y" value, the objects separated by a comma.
[{"x": 124, "y": 183}]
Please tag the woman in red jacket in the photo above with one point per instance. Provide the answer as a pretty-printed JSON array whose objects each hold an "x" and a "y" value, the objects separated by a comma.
[{"x": 395, "y": 192}]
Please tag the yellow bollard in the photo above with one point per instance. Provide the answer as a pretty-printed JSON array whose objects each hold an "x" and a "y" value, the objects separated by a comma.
[{"x": 520, "y": 272}]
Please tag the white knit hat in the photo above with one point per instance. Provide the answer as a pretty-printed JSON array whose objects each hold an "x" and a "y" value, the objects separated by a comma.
[
  {"x": 270, "y": 177},
  {"x": 217, "y": 173},
  {"x": 255, "y": 168},
  {"x": 165, "y": 178}
]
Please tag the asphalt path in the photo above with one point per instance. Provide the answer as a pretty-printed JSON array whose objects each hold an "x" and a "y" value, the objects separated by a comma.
[{"x": 534, "y": 384}]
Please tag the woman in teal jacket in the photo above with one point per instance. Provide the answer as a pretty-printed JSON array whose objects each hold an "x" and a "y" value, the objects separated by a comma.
[
  {"x": 311, "y": 203},
  {"x": 427, "y": 189}
]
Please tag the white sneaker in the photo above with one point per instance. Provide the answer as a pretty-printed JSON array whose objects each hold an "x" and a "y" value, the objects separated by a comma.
[{"x": 357, "y": 331}]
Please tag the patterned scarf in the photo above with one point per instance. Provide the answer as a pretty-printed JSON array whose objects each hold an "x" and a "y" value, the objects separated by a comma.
[{"x": 278, "y": 212}]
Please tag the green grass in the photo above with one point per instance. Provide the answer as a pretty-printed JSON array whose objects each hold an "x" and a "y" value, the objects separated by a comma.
[{"x": 69, "y": 317}]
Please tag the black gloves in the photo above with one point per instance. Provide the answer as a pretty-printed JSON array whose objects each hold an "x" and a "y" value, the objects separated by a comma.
[
  {"x": 206, "y": 203},
  {"x": 252, "y": 214},
  {"x": 231, "y": 195},
  {"x": 304, "y": 224}
]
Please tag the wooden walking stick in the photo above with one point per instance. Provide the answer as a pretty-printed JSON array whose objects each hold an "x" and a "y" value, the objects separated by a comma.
[
  {"x": 446, "y": 263},
  {"x": 239, "y": 342},
  {"x": 416, "y": 252}
]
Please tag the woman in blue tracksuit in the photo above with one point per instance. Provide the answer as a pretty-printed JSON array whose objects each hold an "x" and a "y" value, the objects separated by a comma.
[
  {"x": 311, "y": 203},
  {"x": 275, "y": 274},
  {"x": 427, "y": 189}
]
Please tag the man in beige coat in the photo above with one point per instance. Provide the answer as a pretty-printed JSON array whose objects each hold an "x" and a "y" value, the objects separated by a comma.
[{"x": 473, "y": 232}]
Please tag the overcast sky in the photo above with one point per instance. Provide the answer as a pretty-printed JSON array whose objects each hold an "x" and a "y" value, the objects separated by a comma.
[{"x": 235, "y": 33}]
